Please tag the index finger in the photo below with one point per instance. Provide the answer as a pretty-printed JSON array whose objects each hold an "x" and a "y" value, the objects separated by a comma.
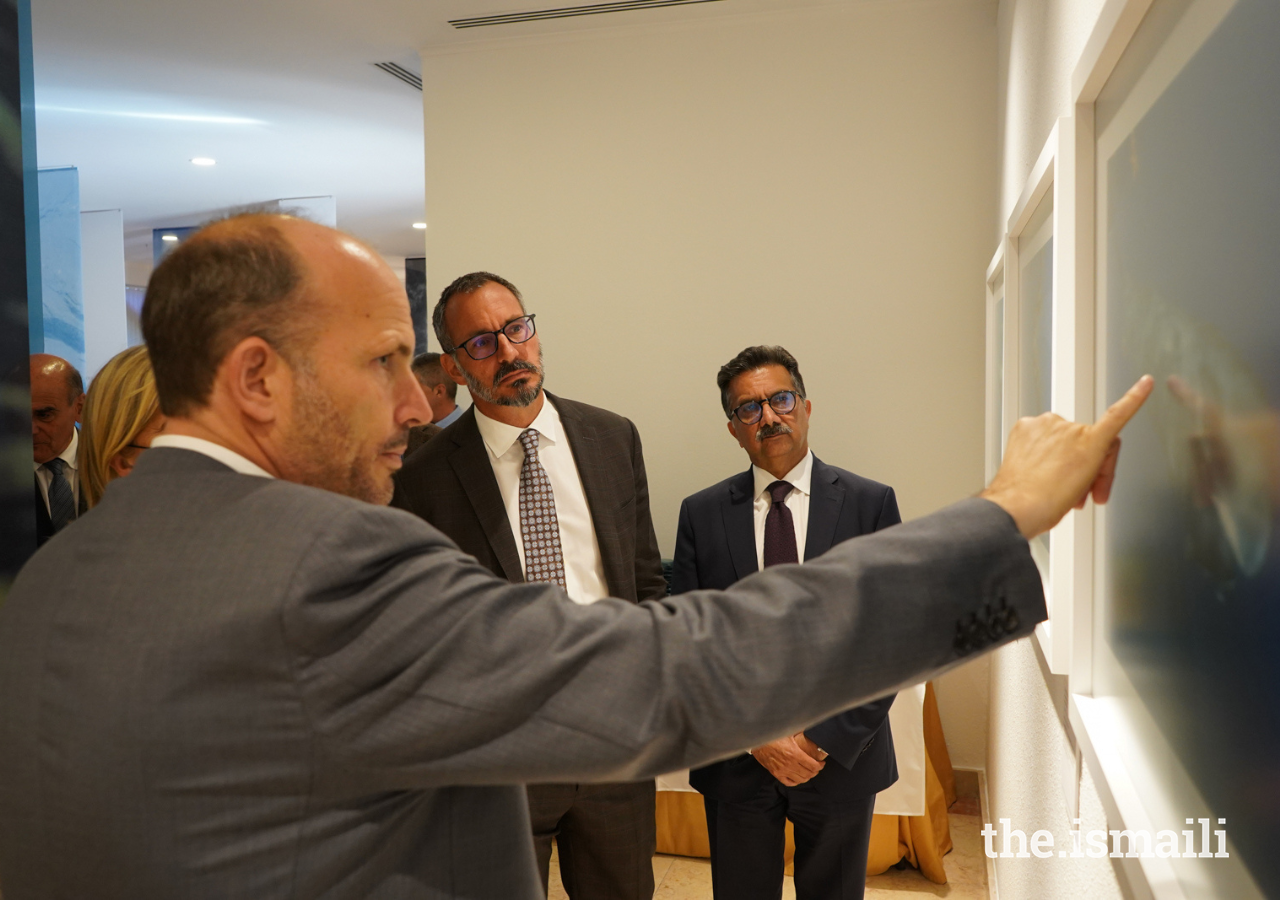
[{"x": 1120, "y": 412}]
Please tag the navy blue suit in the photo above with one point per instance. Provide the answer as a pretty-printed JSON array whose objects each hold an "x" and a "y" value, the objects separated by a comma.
[{"x": 746, "y": 806}]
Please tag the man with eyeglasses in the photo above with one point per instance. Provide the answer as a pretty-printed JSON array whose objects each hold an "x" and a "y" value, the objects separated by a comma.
[
  {"x": 789, "y": 506},
  {"x": 539, "y": 488}
]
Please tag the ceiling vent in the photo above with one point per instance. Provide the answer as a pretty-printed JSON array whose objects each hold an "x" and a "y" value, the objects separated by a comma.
[
  {"x": 396, "y": 70},
  {"x": 566, "y": 12}
]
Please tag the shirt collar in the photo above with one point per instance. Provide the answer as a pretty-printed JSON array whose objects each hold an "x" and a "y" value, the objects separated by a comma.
[
  {"x": 451, "y": 418},
  {"x": 68, "y": 455},
  {"x": 800, "y": 478},
  {"x": 500, "y": 437},
  {"x": 227, "y": 457}
]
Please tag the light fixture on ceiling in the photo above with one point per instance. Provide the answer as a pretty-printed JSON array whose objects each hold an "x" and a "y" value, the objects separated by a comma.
[
  {"x": 163, "y": 117},
  {"x": 170, "y": 238},
  {"x": 204, "y": 161},
  {"x": 421, "y": 226}
]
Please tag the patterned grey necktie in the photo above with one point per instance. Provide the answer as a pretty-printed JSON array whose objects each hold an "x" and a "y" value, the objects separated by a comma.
[
  {"x": 539, "y": 527},
  {"x": 62, "y": 502}
]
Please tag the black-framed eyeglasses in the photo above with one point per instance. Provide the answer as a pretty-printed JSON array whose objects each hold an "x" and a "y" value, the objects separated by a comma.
[
  {"x": 750, "y": 412},
  {"x": 484, "y": 345}
]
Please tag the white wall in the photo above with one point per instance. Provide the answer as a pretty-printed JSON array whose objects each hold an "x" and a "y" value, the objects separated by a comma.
[
  {"x": 1031, "y": 747},
  {"x": 821, "y": 178},
  {"x": 102, "y": 267}
]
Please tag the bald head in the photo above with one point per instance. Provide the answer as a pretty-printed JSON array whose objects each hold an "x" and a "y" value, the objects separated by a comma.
[
  {"x": 239, "y": 277},
  {"x": 57, "y": 396},
  {"x": 290, "y": 344}
]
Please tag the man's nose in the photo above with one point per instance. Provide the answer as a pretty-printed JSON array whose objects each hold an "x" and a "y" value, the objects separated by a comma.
[
  {"x": 507, "y": 351},
  {"x": 414, "y": 409},
  {"x": 767, "y": 415}
]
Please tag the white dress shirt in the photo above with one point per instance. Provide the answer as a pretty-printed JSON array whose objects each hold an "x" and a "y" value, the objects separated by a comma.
[
  {"x": 71, "y": 472},
  {"x": 583, "y": 567},
  {"x": 800, "y": 478},
  {"x": 228, "y": 458}
]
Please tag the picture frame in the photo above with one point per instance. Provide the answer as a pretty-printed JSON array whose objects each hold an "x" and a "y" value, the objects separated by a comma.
[{"x": 1138, "y": 49}]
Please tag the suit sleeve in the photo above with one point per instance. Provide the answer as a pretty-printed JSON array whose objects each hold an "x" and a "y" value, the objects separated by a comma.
[
  {"x": 651, "y": 584},
  {"x": 417, "y": 667},
  {"x": 684, "y": 567},
  {"x": 889, "y": 514},
  {"x": 847, "y": 735}
]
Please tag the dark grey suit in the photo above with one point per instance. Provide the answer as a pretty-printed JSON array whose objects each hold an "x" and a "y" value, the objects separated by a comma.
[
  {"x": 606, "y": 833},
  {"x": 219, "y": 686}
]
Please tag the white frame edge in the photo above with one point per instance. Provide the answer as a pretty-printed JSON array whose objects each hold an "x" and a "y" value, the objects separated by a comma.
[
  {"x": 1148, "y": 878},
  {"x": 1054, "y": 171},
  {"x": 1114, "y": 29},
  {"x": 995, "y": 405}
]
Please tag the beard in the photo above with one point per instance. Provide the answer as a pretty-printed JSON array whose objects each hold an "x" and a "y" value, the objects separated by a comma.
[
  {"x": 325, "y": 452},
  {"x": 523, "y": 391}
]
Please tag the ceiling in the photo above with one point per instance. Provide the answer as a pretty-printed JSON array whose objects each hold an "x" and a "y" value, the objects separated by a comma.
[{"x": 282, "y": 93}]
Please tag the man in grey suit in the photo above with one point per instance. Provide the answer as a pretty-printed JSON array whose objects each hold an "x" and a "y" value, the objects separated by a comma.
[
  {"x": 231, "y": 680},
  {"x": 474, "y": 486}
]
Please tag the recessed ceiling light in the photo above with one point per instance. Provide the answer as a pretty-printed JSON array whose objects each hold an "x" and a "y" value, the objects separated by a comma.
[
  {"x": 164, "y": 117},
  {"x": 171, "y": 238},
  {"x": 204, "y": 161},
  {"x": 421, "y": 226}
]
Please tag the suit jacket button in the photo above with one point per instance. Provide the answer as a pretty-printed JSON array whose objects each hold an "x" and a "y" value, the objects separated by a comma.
[
  {"x": 1011, "y": 620},
  {"x": 976, "y": 634}
]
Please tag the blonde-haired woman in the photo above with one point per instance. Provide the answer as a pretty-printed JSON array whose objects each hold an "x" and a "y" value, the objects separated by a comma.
[{"x": 121, "y": 416}]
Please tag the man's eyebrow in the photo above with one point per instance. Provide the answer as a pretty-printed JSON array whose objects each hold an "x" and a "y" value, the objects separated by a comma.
[
  {"x": 44, "y": 409},
  {"x": 504, "y": 325}
]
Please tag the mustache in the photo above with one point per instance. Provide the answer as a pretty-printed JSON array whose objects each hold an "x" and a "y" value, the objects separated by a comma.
[
  {"x": 515, "y": 365},
  {"x": 398, "y": 443},
  {"x": 768, "y": 431}
]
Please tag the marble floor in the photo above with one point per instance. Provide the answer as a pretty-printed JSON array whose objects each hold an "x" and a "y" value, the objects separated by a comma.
[{"x": 680, "y": 878}]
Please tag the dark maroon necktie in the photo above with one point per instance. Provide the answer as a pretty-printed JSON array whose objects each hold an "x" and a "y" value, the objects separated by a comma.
[{"x": 779, "y": 529}]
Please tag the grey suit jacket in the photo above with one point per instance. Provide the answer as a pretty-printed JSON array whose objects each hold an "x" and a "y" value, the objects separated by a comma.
[{"x": 219, "y": 686}]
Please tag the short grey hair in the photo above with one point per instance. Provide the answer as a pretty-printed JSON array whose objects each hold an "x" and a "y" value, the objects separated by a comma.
[{"x": 467, "y": 284}]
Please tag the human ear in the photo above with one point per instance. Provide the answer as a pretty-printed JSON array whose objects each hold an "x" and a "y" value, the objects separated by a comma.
[
  {"x": 733, "y": 431},
  {"x": 121, "y": 464},
  {"x": 256, "y": 379},
  {"x": 450, "y": 366}
]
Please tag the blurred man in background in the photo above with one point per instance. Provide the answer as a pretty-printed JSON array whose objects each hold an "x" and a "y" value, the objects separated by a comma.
[{"x": 57, "y": 398}]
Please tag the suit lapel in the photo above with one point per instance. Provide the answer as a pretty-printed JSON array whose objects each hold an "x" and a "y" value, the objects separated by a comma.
[
  {"x": 470, "y": 462},
  {"x": 601, "y": 492},
  {"x": 739, "y": 525},
  {"x": 826, "y": 497}
]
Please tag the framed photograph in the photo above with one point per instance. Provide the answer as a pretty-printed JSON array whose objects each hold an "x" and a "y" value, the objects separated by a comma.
[
  {"x": 1044, "y": 340},
  {"x": 1178, "y": 103}
]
